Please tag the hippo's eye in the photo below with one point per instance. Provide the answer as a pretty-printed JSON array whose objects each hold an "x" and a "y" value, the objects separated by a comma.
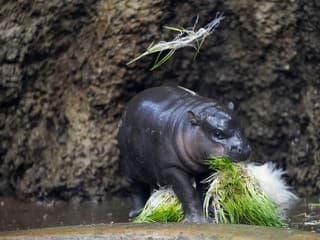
[{"x": 218, "y": 134}]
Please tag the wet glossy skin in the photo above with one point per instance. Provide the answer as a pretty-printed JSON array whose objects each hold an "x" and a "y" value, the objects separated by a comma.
[{"x": 164, "y": 136}]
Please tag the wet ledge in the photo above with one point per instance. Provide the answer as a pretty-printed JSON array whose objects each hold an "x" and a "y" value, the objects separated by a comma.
[{"x": 161, "y": 231}]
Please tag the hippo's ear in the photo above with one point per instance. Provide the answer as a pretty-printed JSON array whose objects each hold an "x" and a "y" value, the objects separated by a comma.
[
  {"x": 231, "y": 106},
  {"x": 193, "y": 118}
]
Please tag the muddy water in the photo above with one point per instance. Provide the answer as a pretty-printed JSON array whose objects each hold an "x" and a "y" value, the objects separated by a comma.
[{"x": 15, "y": 214}]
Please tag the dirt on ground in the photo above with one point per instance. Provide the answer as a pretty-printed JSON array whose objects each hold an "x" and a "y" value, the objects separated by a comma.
[{"x": 64, "y": 82}]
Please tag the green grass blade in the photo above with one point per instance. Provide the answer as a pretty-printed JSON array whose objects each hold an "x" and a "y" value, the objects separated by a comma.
[
  {"x": 199, "y": 46},
  {"x": 176, "y": 29},
  {"x": 158, "y": 56},
  {"x": 138, "y": 58},
  {"x": 163, "y": 60}
]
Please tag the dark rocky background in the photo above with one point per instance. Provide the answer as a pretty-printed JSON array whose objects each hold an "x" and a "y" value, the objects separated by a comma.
[{"x": 64, "y": 83}]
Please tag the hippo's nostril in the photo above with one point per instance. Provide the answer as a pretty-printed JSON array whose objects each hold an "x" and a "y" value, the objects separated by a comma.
[{"x": 239, "y": 150}]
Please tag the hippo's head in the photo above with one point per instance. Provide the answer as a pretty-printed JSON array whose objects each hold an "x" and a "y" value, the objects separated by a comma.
[{"x": 217, "y": 132}]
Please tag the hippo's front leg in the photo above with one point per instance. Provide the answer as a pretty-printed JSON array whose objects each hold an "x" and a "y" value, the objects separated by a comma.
[{"x": 182, "y": 186}]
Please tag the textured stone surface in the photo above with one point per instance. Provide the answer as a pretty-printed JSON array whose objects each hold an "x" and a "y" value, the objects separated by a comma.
[
  {"x": 162, "y": 231},
  {"x": 64, "y": 83}
]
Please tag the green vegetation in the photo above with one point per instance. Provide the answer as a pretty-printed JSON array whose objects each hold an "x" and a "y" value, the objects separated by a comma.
[
  {"x": 185, "y": 38},
  {"x": 162, "y": 206},
  {"x": 235, "y": 197}
]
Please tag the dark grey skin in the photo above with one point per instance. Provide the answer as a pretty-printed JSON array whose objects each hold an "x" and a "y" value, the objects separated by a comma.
[{"x": 165, "y": 135}]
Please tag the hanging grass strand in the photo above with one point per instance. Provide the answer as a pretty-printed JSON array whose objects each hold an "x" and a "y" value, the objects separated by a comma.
[{"x": 185, "y": 38}]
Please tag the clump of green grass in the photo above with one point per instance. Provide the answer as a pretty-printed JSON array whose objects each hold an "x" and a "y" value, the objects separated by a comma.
[
  {"x": 185, "y": 38},
  {"x": 162, "y": 206},
  {"x": 237, "y": 198}
]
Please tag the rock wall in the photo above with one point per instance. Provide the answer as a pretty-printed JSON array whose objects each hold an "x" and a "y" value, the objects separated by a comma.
[{"x": 64, "y": 83}]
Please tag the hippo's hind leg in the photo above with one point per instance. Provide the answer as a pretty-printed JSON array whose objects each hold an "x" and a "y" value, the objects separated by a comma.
[
  {"x": 139, "y": 194},
  {"x": 139, "y": 191}
]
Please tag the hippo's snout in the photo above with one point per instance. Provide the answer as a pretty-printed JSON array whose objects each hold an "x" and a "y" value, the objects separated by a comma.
[{"x": 240, "y": 153}]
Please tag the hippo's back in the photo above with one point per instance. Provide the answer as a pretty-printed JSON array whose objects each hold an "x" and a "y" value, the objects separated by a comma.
[{"x": 155, "y": 106}]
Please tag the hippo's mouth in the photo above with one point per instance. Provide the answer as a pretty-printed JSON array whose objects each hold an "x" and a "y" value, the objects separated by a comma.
[
  {"x": 207, "y": 155},
  {"x": 232, "y": 158}
]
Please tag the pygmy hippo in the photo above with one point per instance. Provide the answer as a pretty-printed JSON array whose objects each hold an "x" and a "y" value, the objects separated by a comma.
[{"x": 165, "y": 135}]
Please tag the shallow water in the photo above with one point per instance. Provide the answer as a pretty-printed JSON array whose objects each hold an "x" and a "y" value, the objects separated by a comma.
[
  {"x": 15, "y": 214},
  {"x": 306, "y": 215}
]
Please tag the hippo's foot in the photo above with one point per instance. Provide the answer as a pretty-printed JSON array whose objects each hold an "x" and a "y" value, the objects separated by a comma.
[
  {"x": 138, "y": 198},
  {"x": 134, "y": 212}
]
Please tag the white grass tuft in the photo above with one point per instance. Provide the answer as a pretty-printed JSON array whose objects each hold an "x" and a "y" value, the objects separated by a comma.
[{"x": 271, "y": 181}]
